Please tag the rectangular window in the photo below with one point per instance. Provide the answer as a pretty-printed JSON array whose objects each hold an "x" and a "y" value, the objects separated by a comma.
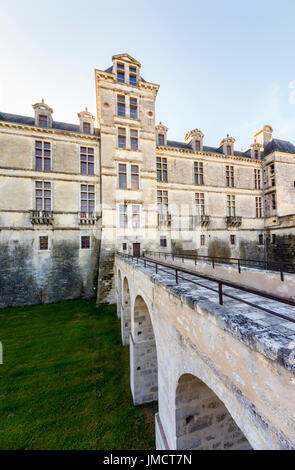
[
  {"x": 124, "y": 246},
  {"x": 228, "y": 150},
  {"x": 122, "y": 137},
  {"x": 43, "y": 121},
  {"x": 200, "y": 203},
  {"x": 162, "y": 169},
  {"x": 42, "y": 196},
  {"x": 120, "y": 73},
  {"x": 122, "y": 176},
  {"x": 273, "y": 238},
  {"x": 87, "y": 198},
  {"x": 134, "y": 177},
  {"x": 162, "y": 200},
  {"x": 163, "y": 242},
  {"x": 133, "y": 108},
  {"x": 132, "y": 76},
  {"x": 87, "y": 160},
  {"x": 199, "y": 173},
  {"x": 231, "y": 206},
  {"x": 161, "y": 139},
  {"x": 232, "y": 239},
  {"x": 86, "y": 128},
  {"x": 197, "y": 146},
  {"x": 85, "y": 242},
  {"x": 42, "y": 156},
  {"x": 135, "y": 217},
  {"x": 256, "y": 154},
  {"x": 257, "y": 179},
  {"x": 202, "y": 240},
  {"x": 260, "y": 239},
  {"x": 229, "y": 176},
  {"x": 123, "y": 217},
  {"x": 121, "y": 105},
  {"x": 272, "y": 175},
  {"x": 258, "y": 207},
  {"x": 273, "y": 202},
  {"x": 43, "y": 243},
  {"x": 134, "y": 139}
]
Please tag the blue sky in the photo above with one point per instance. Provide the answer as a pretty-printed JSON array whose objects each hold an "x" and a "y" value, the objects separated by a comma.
[{"x": 223, "y": 66}]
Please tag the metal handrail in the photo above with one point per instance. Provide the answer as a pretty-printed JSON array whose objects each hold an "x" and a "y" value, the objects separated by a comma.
[
  {"x": 282, "y": 267},
  {"x": 220, "y": 283}
]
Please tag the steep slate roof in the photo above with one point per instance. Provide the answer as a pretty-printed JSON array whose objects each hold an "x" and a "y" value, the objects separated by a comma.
[
  {"x": 280, "y": 146},
  {"x": 182, "y": 145},
  {"x": 29, "y": 121},
  {"x": 274, "y": 145}
]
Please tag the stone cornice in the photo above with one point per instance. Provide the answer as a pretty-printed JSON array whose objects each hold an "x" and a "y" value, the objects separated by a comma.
[
  {"x": 43, "y": 130},
  {"x": 110, "y": 77},
  {"x": 207, "y": 154}
]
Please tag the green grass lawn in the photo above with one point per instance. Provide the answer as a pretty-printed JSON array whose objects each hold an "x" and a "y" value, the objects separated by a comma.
[{"x": 65, "y": 381}]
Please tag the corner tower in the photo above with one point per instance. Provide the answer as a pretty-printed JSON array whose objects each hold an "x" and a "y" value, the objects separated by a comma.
[{"x": 126, "y": 118}]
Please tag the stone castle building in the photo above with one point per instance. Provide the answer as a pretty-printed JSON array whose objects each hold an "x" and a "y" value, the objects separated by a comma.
[{"x": 70, "y": 195}]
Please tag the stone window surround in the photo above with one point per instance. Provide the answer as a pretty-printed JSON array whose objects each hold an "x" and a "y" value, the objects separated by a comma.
[
  {"x": 127, "y": 103},
  {"x": 43, "y": 180},
  {"x": 128, "y": 171},
  {"x": 127, "y": 66},
  {"x": 37, "y": 241},
  {"x": 85, "y": 234},
  {"x": 129, "y": 213},
  {"x": 127, "y": 138}
]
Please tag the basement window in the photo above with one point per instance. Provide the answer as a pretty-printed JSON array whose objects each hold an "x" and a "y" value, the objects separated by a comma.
[
  {"x": 232, "y": 239},
  {"x": 85, "y": 242},
  {"x": 43, "y": 243}
]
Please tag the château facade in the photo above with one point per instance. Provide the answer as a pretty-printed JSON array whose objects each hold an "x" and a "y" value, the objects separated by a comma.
[{"x": 71, "y": 195}]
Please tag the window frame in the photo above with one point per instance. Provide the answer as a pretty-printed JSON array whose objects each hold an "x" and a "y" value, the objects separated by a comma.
[
  {"x": 162, "y": 169},
  {"x": 198, "y": 169}
]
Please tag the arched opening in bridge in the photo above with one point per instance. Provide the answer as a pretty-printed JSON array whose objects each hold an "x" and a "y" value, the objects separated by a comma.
[
  {"x": 125, "y": 313},
  {"x": 143, "y": 355},
  {"x": 202, "y": 420},
  {"x": 119, "y": 294}
]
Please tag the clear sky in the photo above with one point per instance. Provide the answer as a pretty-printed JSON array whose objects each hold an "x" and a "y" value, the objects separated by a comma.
[{"x": 224, "y": 66}]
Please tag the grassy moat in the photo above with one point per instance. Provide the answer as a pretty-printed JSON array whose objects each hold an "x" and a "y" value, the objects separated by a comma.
[{"x": 65, "y": 381}]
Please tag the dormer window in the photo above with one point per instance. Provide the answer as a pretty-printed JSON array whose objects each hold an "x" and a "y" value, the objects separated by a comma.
[
  {"x": 256, "y": 154},
  {"x": 86, "y": 128},
  {"x": 161, "y": 139},
  {"x": 132, "y": 76},
  {"x": 43, "y": 120},
  {"x": 120, "y": 73},
  {"x": 228, "y": 150},
  {"x": 197, "y": 145}
]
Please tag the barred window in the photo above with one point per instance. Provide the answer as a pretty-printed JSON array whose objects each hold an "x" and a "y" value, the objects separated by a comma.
[
  {"x": 134, "y": 139},
  {"x": 43, "y": 243},
  {"x": 87, "y": 160},
  {"x": 122, "y": 176},
  {"x": 163, "y": 242},
  {"x": 42, "y": 156},
  {"x": 133, "y": 108},
  {"x": 85, "y": 242},
  {"x": 202, "y": 240},
  {"x": 230, "y": 180},
  {"x": 121, "y": 105},
  {"x": 162, "y": 174},
  {"x": 161, "y": 139},
  {"x": 258, "y": 207},
  {"x": 43, "y": 121},
  {"x": 162, "y": 200},
  {"x": 232, "y": 239},
  {"x": 123, "y": 217},
  {"x": 42, "y": 196},
  {"x": 87, "y": 198},
  {"x": 122, "y": 137},
  {"x": 200, "y": 203},
  {"x": 231, "y": 206},
  {"x": 135, "y": 217},
  {"x": 86, "y": 128},
  {"x": 134, "y": 177},
  {"x": 199, "y": 173},
  {"x": 257, "y": 179}
]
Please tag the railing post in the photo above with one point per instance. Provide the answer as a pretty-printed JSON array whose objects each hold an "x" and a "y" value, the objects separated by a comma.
[
  {"x": 213, "y": 263},
  {"x": 220, "y": 293},
  {"x": 195, "y": 261},
  {"x": 282, "y": 274},
  {"x": 239, "y": 266},
  {"x": 176, "y": 276},
  {"x": 156, "y": 268},
  {"x": 145, "y": 263}
]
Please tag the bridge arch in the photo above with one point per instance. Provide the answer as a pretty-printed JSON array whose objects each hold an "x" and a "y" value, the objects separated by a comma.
[
  {"x": 119, "y": 294},
  {"x": 125, "y": 312},
  {"x": 143, "y": 354},
  {"x": 202, "y": 420}
]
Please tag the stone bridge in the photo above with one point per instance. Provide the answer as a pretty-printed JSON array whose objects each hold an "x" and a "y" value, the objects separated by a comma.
[{"x": 224, "y": 376}]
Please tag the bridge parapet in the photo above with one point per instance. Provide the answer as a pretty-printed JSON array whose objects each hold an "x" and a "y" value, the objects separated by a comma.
[{"x": 246, "y": 357}]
